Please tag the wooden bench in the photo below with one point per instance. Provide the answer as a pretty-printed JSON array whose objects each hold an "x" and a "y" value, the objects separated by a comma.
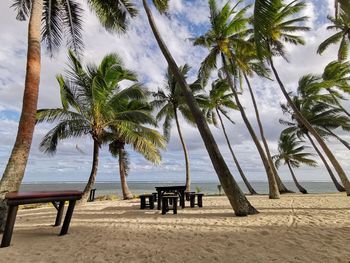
[
  {"x": 143, "y": 199},
  {"x": 188, "y": 195},
  {"x": 57, "y": 198},
  {"x": 169, "y": 199},
  {"x": 199, "y": 199},
  {"x": 92, "y": 195}
]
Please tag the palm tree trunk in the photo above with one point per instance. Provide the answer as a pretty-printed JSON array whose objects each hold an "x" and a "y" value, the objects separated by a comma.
[
  {"x": 187, "y": 161},
  {"x": 238, "y": 201},
  {"x": 339, "y": 187},
  {"x": 273, "y": 187},
  {"x": 122, "y": 172},
  {"x": 300, "y": 117},
  {"x": 14, "y": 172},
  {"x": 93, "y": 173},
  {"x": 300, "y": 188},
  {"x": 244, "y": 178},
  {"x": 345, "y": 143},
  {"x": 281, "y": 187}
]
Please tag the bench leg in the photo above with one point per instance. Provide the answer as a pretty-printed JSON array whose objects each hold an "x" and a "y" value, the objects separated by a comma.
[
  {"x": 10, "y": 223},
  {"x": 68, "y": 217},
  {"x": 164, "y": 205},
  {"x": 192, "y": 199},
  {"x": 143, "y": 202},
  {"x": 59, "y": 213},
  {"x": 175, "y": 207},
  {"x": 159, "y": 204},
  {"x": 200, "y": 201},
  {"x": 151, "y": 202}
]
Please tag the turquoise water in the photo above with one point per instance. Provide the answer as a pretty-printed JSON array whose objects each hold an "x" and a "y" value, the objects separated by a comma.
[{"x": 105, "y": 188}]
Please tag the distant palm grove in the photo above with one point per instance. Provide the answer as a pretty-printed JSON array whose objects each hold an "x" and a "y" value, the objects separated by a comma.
[{"x": 106, "y": 101}]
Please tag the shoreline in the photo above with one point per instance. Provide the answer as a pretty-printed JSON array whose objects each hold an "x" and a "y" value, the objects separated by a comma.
[{"x": 295, "y": 228}]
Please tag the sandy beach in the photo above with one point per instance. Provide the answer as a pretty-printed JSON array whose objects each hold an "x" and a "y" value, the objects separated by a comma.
[{"x": 296, "y": 228}]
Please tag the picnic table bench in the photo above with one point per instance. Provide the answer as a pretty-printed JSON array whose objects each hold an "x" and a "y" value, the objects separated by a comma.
[{"x": 57, "y": 198}]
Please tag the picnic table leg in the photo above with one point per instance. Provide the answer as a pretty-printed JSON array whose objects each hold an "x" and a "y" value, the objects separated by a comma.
[
  {"x": 159, "y": 199},
  {"x": 182, "y": 199},
  {"x": 68, "y": 217},
  {"x": 59, "y": 213},
  {"x": 10, "y": 223}
]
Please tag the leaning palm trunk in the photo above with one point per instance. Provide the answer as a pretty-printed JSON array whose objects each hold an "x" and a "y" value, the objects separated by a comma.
[
  {"x": 281, "y": 187},
  {"x": 187, "y": 161},
  {"x": 122, "y": 171},
  {"x": 244, "y": 178},
  {"x": 93, "y": 173},
  {"x": 300, "y": 188},
  {"x": 14, "y": 172},
  {"x": 238, "y": 201},
  {"x": 302, "y": 120},
  {"x": 273, "y": 188},
  {"x": 337, "y": 185},
  {"x": 345, "y": 143}
]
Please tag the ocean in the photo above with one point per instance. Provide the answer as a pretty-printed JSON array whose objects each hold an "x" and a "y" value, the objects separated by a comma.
[{"x": 108, "y": 188}]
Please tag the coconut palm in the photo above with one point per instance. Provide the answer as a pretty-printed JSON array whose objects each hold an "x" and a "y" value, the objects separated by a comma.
[
  {"x": 340, "y": 24},
  {"x": 336, "y": 80},
  {"x": 49, "y": 22},
  {"x": 92, "y": 100},
  {"x": 238, "y": 201},
  {"x": 224, "y": 39},
  {"x": 170, "y": 102},
  {"x": 291, "y": 151},
  {"x": 219, "y": 101},
  {"x": 143, "y": 140},
  {"x": 248, "y": 66},
  {"x": 320, "y": 115},
  {"x": 275, "y": 23}
]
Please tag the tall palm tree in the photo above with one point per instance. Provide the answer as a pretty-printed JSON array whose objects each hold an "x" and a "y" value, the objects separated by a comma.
[
  {"x": 143, "y": 140},
  {"x": 248, "y": 66},
  {"x": 224, "y": 39},
  {"x": 274, "y": 23},
  {"x": 92, "y": 101},
  {"x": 238, "y": 201},
  {"x": 170, "y": 101},
  {"x": 49, "y": 22},
  {"x": 292, "y": 153},
  {"x": 320, "y": 115},
  {"x": 219, "y": 101},
  {"x": 340, "y": 24}
]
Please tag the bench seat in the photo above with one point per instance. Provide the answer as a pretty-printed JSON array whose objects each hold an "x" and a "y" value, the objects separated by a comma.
[{"x": 57, "y": 198}]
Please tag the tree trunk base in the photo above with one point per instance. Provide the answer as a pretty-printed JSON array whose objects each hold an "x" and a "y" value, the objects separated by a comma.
[
  {"x": 286, "y": 191},
  {"x": 251, "y": 211},
  {"x": 3, "y": 215},
  {"x": 128, "y": 197}
]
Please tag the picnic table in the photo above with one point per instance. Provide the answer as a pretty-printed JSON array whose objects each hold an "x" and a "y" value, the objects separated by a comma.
[
  {"x": 180, "y": 189},
  {"x": 57, "y": 198}
]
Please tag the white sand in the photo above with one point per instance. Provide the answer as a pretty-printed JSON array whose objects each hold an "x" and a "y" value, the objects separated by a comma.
[{"x": 296, "y": 228}]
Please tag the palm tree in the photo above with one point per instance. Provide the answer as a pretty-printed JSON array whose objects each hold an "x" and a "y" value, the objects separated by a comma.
[
  {"x": 340, "y": 24},
  {"x": 320, "y": 115},
  {"x": 238, "y": 201},
  {"x": 143, "y": 140},
  {"x": 170, "y": 101},
  {"x": 92, "y": 101},
  {"x": 248, "y": 65},
  {"x": 224, "y": 39},
  {"x": 49, "y": 22},
  {"x": 274, "y": 23},
  {"x": 292, "y": 153},
  {"x": 336, "y": 80},
  {"x": 219, "y": 101}
]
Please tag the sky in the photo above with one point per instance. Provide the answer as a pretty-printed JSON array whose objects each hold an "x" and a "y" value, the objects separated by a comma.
[{"x": 140, "y": 53}]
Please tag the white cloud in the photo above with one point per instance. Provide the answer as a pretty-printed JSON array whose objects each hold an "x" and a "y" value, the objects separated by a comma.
[{"x": 141, "y": 54}]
